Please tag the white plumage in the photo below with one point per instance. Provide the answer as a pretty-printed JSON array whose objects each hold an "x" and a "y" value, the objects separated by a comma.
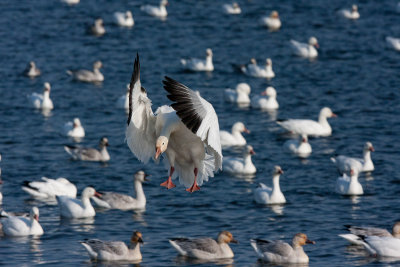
[
  {"x": 300, "y": 147},
  {"x": 356, "y": 231},
  {"x": 305, "y": 50},
  {"x": 21, "y": 225},
  {"x": 74, "y": 129},
  {"x": 235, "y": 138},
  {"x": 124, "y": 19},
  {"x": 50, "y": 188},
  {"x": 77, "y": 208},
  {"x": 393, "y": 42},
  {"x": 156, "y": 11},
  {"x": 232, "y": 9},
  {"x": 97, "y": 28},
  {"x": 350, "y": 14},
  {"x": 267, "y": 101},
  {"x": 123, "y": 101},
  {"x": 382, "y": 246},
  {"x": 349, "y": 185},
  {"x": 272, "y": 21},
  {"x": 254, "y": 70},
  {"x": 240, "y": 95},
  {"x": 42, "y": 101},
  {"x": 31, "y": 70},
  {"x": 195, "y": 64},
  {"x": 345, "y": 164},
  {"x": 94, "y": 76},
  {"x": 267, "y": 195},
  {"x": 90, "y": 154},
  {"x": 241, "y": 166}
]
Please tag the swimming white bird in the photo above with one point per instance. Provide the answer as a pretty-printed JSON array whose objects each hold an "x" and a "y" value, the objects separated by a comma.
[
  {"x": 124, "y": 19},
  {"x": 195, "y": 64},
  {"x": 393, "y": 42},
  {"x": 205, "y": 248},
  {"x": 310, "y": 127},
  {"x": 232, "y": 9},
  {"x": 379, "y": 246},
  {"x": 240, "y": 165},
  {"x": 77, "y": 208},
  {"x": 272, "y": 21},
  {"x": 21, "y": 225},
  {"x": 344, "y": 163},
  {"x": 235, "y": 138},
  {"x": 254, "y": 70},
  {"x": 90, "y": 154},
  {"x": 305, "y": 50},
  {"x": 97, "y": 28},
  {"x": 356, "y": 231},
  {"x": 156, "y": 11},
  {"x": 266, "y": 103},
  {"x": 87, "y": 75},
  {"x": 281, "y": 252},
  {"x": 114, "y": 250},
  {"x": 71, "y": 2},
  {"x": 349, "y": 186},
  {"x": 274, "y": 195},
  {"x": 42, "y": 101},
  {"x": 123, "y": 101},
  {"x": 31, "y": 70},
  {"x": 188, "y": 132},
  {"x": 112, "y": 200},
  {"x": 301, "y": 147},
  {"x": 74, "y": 129},
  {"x": 240, "y": 95},
  {"x": 49, "y": 188},
  {"x": 350, "y": 14}
]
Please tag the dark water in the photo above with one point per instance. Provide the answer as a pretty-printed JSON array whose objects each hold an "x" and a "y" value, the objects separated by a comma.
[{"x": 355, "y": 74}]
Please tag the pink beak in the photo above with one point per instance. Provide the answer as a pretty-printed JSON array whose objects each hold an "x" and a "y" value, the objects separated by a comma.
[
  {"x": 333, "y": 115},
  {"x": 246, "y": 130},
  {"x": 372, "y": 149},
  {"x": 97, "y": 194},
  {"x": 263, "y": 93},
  {"x": 158, "y": 153},
  {"x": 317, "y": 45},
  {"x": 252, "y": 152},
  {"x": 36, "y": 217}
]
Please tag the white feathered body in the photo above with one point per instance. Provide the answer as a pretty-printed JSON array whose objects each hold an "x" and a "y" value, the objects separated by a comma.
[
  {"x": 266, "y": 195},
  {"x": 21, "y": 226},
  {"x": 265, "y": 103},
  {"x": 230, "y": 9},
  {"x": 195, "y": 64},
  {"x": 241, "y": 166},
  {"x": 232, "y": 139},
  {"x": 346, "y": 185},
  {"x": 393, "y": 43},
  {"x": 303, "y": 49},
  {"x": 253, "y": 70},
  {"x": 156, "y": 11},
  {"x": 41, "y": 101},
  {"x": 307, "y": 127},
  {"x": 271, "y": 23},
  {"x": 235, "y": 96},
  {"x": 301, "y": 149},
  {"x": 123, "y": 20},
  {"x": 75, "y": 208},
  {"x": 383, "y": 246},
  {"x": 50, "y": 188},
  {"x": 71, "y": 131},
  {"x": 348, "y": 14}
]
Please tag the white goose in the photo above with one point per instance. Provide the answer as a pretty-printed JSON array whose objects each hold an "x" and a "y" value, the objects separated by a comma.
[
  {"x": 356, "y": 232},
  {"x": 90, "y": 154},
  {"x": 97, "y": 28},
  {"x": 50, "y": 188},
  {"x": 241, "y": 166},
  {"x": 385, "y": 246},
  {"x": 274, "y": 195},
  {"x": 232, "y": 9},
  {"x": 87, "y": 75},
  {"x": 71, "y": 2},
  {"x": 301, "y": 147},
  {"x": 344, "y": 163},
  {"x": 305, "y": 50},
  {"x": 21, "y": 225},
  {"x": 350, "y": 14},
  {"x": 393, "y": 42},
  {"x": 310, "y": 127},
  {"x": 281, "y": 252},
  {"x": 114, "y": 250},
  {"x": 31, "y": 70},
  {"x": 272, "y": 21},
  {"x": 188, "y": 132},
  {"x": 253, "y": 70},
  {"x": 205, "y": 248},
  {"x": 235, "y": 138},
  {"x": 240, "y": 95},
  {"x": 265, "y": 103},
  {"x": 156, "y": 11},
  {"x": 124, "y": 19},
  {"x": 74, "y": 129},
  {"x": 42, "y": 101},
  {"x": 195, "y": 64},
  {"x": 77, "y": 208},
  {"x": 349, "y": 186},
  {"x": 112, "y": 200}
]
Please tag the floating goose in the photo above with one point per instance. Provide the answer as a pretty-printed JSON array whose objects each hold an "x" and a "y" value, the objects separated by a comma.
[
  {"x": 344, "y": 163},
  {"x": 281, "y": 252},
  {"x": 393, "y": 43},
  {"x": 97, "y": 28},
  {"x": 31, "y": 70},
  {"x": 123, "y": 101},
  {"x": 89, "y": 154},
  {"x": 21, "y": 225},
  {"x": 42, "y": 101},
  {"x": 305, "y": 50},
  {"x": 232, "y": 9},
  {"x": 74, "y": 129},
  {"x": 195, "y": 64},
  {"x": 235, "y": 138},
  {"x": 356, "y": 232},
  {"x": 350, "y": 14},
  {"x": 301, "y": 147},
  {"x": 50, "y": 188},
  {"x": 349, "y": 186},
  {"x": 188, "y": 132},
  {"x": 240, "y": 95},
  {"x": 310, "y": 127},
  {"x": 205, "y": 248},
  {"x": 253, "y": 70},
  {"x": 87, "y": 75},
  {"x": 267, "y": 195},
  {"x": 71, "y": 2},
  {"x": 77, "y": 208},
  {"x": 156, "y": 11},
  {"x": 114, "y": 250},
  {"x": 124, "y": 19},
  {"x": 265, "y": 103},
  {"x": 241, "y": 166},
  {"x": 379, "y": 246},
  {"x": 272, "y": 21},
  {"x": 112, "y": 200}
]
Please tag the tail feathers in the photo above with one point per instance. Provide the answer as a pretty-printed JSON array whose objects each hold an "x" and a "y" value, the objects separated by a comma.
[
  {"x": 177, "y": 247},
  {"x": 253, "y": 243},
  {"x": 69, "y": 149},
  {"x": 353, "y": 239},
  {"x": 92, "y": 254}
]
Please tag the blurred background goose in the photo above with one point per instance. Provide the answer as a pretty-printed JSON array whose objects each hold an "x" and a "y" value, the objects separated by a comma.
[
  {"x": 156, "y": 11},
  {"x": 90, "y": 154},
  {"x": 42, "y": 101},
  {"x": 31, "y": 70},
  {"x": 87, "y": 75},
  {"x": 235, "y": 138},
  {"x": 49, "y": 188},
  {"x": 305, "y": 50},
  {"x": 21, "y": 225},
  {"x": 232, "y": 9},
  {"x": 300, "y": 147},
  {"x": 74, "y": 129},
  {"x": 272, "y": 21},
  {"x": 195, "y": 64},
  {"x": 266, "y": 195},
  {"x": 267, "y": 100},
  {"x": 241, "y": 166},
  {"x": 97, "y": 28},
  {"x": 124, "y": 19},
  {"x": 350, "y": 14},
  {"x": 344, "y": 163},
  {"x": 349, "y": 185},
  {"x": 77, "y": 208},
  {"x": 239, "y": 95}
]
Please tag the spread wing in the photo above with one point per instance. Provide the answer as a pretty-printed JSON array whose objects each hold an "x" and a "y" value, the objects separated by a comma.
[
  {"x": 198, "y": 115},
  {"x": 140, "y": 133}
]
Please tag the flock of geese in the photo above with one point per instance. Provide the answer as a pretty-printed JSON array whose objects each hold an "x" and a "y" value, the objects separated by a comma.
[{"x": 187, "y": 137}]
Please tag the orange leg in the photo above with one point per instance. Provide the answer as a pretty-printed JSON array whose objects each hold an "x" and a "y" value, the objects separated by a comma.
[
  {"x": 168, "y": 183},
  {"x": 195, "y": 186}
]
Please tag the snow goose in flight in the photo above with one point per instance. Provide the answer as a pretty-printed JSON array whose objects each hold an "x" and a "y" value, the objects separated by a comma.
[
  {"x": 74, "y": 129},
  {"x": 114, "y": 250},
  {"x": 305, "y": 50},
  {"x": 42, "y": 101},
  {"x": 156, "y": 11},
  {"x": 349, "y": 186},
  {"x": 267, "y": 195},
  {"x": 272, "y": 21},
  {"x": 89, "y": 154},
  {"x": 350, "y": 14},
  {"x": 87, "y": 75},
  {"x": 240, "y": 95},
  {"x": 232, "y": 9},
  {"x": 124, "y": 19},
  {"x": 113, "y": 200},
  {"x": 205, "y": 248},
  {"x": 265, "y": 103},
  {"x": 344, "y": 163},
  {"x": 188, "y": 132},
  {"x": 240, "y": 166},
  {"x": 310, "y": 127},
  {"x": 356, "y": 232},
  {"x": 77, "y": 208},
  {"x": 49, "y": 188},
  {"x": 300, "y": 147},
  {"x": 281, "y": 252},
  {"x": 21, "y": 225},
  {"x": 31, "y": 70},
  {"x": 393, "y": 43},
  {"x": 235, "y": 138},
  {"x": 195, "y": 64},
  {"x": 254, "y": 70}
]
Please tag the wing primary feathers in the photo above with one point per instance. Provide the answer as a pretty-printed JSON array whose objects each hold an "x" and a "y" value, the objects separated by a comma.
[{"x": 135, "y": 77}]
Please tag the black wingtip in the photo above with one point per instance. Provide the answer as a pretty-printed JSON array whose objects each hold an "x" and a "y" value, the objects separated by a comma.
[
  {"x": 26, "y": 184},
  {"x": 134, "y": 78},
  {"x": 261, "y": 240}
]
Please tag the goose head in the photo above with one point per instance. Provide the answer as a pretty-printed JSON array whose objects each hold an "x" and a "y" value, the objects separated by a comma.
[
  {"x": 32, "y": 64},
  {"x": 249, "y": 150},
  {"x": 98, "y": 22},
  {"x": 268, "y": 62},
  {"x": 243, "y": 88},
  {"x": 103, "y": 142},
  {"x": 34, "y": 213},
  {"x": 327, "y": 113},
  {"x": 396, "y": 230},
  {"x": 353, "y": 172},
  {"x": 209, "y": 52},
  {"x": 354, "y": 8},
  {"x": 239, "y": 127},
  {"x": 277, "y": 170},
  {"x": 47, "y": 87},
  {"x": 164, "y": 3},
  {"x": 76, "y": 123},
  {"x": 304, "y": 138},
  {"x": 140, "y": 176},
  {"x": 301, "y": 239},
  {"x": 270, "y": 91},
  {"x": 226, "y": 237},
  {"x": 136, "y": 237},
  {"x": 313, "y": 42},
  {"x": 235, "y": 5},
  {"x": 274, "y": 14},
  {"x": 253, "y": 61},
  {"x": 128, "y": 14},
  {"x": 89, "y": 192},
  {"x": 161, "y": 146},
  {"x": 97, "y": 65},
  {"x": 368, "y": 147}
]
